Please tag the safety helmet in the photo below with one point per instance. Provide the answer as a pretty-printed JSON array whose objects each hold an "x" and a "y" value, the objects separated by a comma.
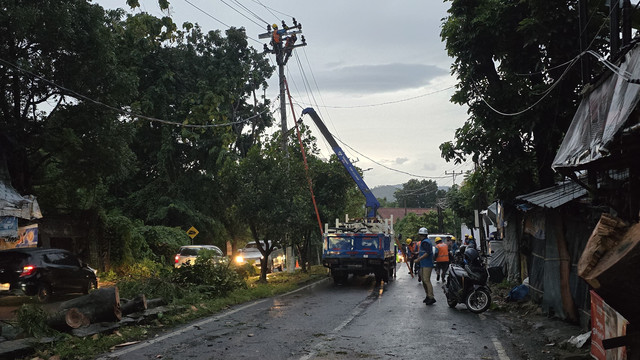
[
  {"x": 466, "y": 235},
  {"x": 438, "y": 239},
  {"x": 409, "y": 241},
  {"x": 470, "y": 237},
  {"x": 423, "y": 231},
  {"x": 275, "y": 26},
  {"x": 471, "y": 256},
  {"x": 453, "y": 238}
]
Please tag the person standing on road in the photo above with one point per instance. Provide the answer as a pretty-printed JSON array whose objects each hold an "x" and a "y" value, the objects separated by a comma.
[
  {"x": 425, "y": 259},
  {"x": 441, "y": 256},
  {"x": 454, "y": 245},
  {"x": 409, "y": 254}
]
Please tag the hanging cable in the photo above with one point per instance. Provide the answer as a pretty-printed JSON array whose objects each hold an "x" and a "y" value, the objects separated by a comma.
[
  {"x": 304, "y": 158},
  {"x": 131, "y": 114}
]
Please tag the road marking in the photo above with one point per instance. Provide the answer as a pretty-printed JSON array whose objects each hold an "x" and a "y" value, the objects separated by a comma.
[
  {"x": 502, "y": 355},
  {"x": 195, "y": 326}
]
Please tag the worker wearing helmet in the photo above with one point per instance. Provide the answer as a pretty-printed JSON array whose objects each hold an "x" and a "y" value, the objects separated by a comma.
[
  {"x": 471, "y": 243},
  {"x": 425, "y": 259},
  {"x": 441, "y": 256},
  {"x": 454, "y": 245},
  {"x": 412, "y": 254}
]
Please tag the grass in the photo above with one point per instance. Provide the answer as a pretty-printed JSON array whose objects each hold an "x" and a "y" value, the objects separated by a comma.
[{"x": 180, "y": 312}]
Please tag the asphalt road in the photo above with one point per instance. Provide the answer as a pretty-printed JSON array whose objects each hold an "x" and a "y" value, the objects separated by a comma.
[{"x": 327, "y": 321}]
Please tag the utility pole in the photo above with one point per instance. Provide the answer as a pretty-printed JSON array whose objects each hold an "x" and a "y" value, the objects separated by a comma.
[
  {"x": 454, "y": 174},
  {"x": 283, "y": 41}
]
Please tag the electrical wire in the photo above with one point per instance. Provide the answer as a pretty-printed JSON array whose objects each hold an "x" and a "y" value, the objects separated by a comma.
[
  {"x": 131, "y": 114},
  {"x": 389, "y": 102},
  {"x": 220, "y": 21},
  {"x": 271, "y": 9},
  {"x": 239, "y": 12},
  {"x": 251, "y": 12}
]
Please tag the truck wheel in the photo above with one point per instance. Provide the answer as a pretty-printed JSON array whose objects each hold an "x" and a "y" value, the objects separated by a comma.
[{"x": 385, "y": 274}]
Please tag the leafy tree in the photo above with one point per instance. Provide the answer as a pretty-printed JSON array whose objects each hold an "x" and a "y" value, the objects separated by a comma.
[
  {"x": 417, "y": 194},
  {"x": 508, "y": 54},
  {"x": 67, "y": 151}
]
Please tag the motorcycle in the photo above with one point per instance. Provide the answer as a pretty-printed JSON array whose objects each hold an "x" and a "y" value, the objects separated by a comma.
[{"x": 467, "y": 283}]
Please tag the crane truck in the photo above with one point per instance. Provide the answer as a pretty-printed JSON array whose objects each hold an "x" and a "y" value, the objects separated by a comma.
[{"x": 360, "y": 246}]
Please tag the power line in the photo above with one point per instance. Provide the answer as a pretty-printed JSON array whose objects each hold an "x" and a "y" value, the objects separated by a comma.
[
  {"x": 271, "y": 9},
  {"x": 131, "y": 114},
  {"x": 218, "y": 20},
  {"x": 388, "y": 102},
  {"x": 238, "y": 11}
]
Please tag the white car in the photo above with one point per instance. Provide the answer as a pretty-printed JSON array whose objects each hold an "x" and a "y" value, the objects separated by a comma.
[
  {"x": 252, "y": 255},
  {"x": 188, "y": 254}
]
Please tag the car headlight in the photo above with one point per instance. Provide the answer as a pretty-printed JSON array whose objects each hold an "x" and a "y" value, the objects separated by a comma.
[{"x": 239, "y": 259}]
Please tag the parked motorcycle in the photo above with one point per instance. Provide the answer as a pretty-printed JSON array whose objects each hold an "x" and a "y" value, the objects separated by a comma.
[{"x": 468, "y": 283}]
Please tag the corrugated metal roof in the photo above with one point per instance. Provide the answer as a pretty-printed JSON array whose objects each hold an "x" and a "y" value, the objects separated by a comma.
[{"x": 554, "y": 196}]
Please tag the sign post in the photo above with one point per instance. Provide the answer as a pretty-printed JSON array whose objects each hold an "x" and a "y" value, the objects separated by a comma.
[{"x": 192, "y": 232}]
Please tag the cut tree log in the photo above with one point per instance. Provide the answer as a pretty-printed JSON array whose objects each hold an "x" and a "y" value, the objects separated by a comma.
[
  {"x": 151, "y": 303},
  {"x": 98, "y": 306},
  {"x": 67, "y": 319},
  {"x": 139, "y": 303}
]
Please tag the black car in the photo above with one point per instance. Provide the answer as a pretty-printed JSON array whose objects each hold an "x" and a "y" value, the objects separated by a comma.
[{"x": 42, "y": 272}]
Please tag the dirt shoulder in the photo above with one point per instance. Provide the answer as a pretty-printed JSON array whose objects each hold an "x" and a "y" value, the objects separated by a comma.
[{"x": 534, "y": 334}]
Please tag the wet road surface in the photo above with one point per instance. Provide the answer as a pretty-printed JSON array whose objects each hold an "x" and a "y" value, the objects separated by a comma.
[{"x": 327, "y": 321}]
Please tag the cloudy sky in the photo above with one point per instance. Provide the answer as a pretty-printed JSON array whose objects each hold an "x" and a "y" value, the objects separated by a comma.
[{"x": 375, "y": 71}]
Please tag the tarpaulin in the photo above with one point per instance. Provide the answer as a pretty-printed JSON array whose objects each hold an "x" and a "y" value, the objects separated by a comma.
[
  {"x": 601, "y": 116},
  {"x": 14, "y": 204}
]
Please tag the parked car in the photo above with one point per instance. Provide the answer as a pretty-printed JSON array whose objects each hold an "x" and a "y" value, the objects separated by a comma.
[
  {"x": 42, "y": 272},
  {"x": 252, "y": 255},
  {"x": 189, "y": 253}
]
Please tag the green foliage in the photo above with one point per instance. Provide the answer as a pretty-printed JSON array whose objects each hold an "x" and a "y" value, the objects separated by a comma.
[
  {"x": 417, "y": 194},
  {"x": 212, "y": 278},
  {"x": 506, "y": 55},
  {"x": 246, "y": 270},
  {"x": 32, "y": 319},
  {"x": 164, "y": 241}
]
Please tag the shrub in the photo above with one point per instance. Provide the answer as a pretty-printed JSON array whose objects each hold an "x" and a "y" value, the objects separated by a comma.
[{"x": 209, "y": 274}]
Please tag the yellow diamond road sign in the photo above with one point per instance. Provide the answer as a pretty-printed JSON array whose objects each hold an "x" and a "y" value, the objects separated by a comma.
[{"x": 192, "y": 232}]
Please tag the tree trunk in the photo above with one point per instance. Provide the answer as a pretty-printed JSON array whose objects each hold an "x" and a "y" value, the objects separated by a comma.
[
  {"x": 139, "y": 303},
  {"x": 100, "y": 305},
  {"x": 67, "y": 319}
]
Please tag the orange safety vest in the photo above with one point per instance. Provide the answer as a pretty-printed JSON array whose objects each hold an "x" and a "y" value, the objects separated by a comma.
[{"x": 443, "y": 253}]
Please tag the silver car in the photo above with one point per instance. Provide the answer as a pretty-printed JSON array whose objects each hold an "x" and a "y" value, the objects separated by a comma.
[
  {"x": 252, "y": 255},
  {"x": 189, "y": 253}
]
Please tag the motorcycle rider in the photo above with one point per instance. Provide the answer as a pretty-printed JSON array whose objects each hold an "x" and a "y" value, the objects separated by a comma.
[
  {"x": 425, "y": 259},
  {"x": 441, "y": 256}
]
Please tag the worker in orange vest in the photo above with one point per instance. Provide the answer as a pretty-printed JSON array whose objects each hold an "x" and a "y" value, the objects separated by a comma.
[{"x": 441, "y": 256}]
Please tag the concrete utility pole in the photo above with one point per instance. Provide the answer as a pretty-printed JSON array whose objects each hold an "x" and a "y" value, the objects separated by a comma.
[
  {"x": 454, "y": 174},
  {"x": 283, "y": 41}
]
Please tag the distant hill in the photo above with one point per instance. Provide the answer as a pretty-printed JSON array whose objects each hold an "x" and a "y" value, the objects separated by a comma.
[{"x": 386, "y": 191}]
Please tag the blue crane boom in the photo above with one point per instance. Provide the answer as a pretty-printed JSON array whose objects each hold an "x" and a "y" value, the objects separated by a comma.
[{"x": 372, "y": 204}]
